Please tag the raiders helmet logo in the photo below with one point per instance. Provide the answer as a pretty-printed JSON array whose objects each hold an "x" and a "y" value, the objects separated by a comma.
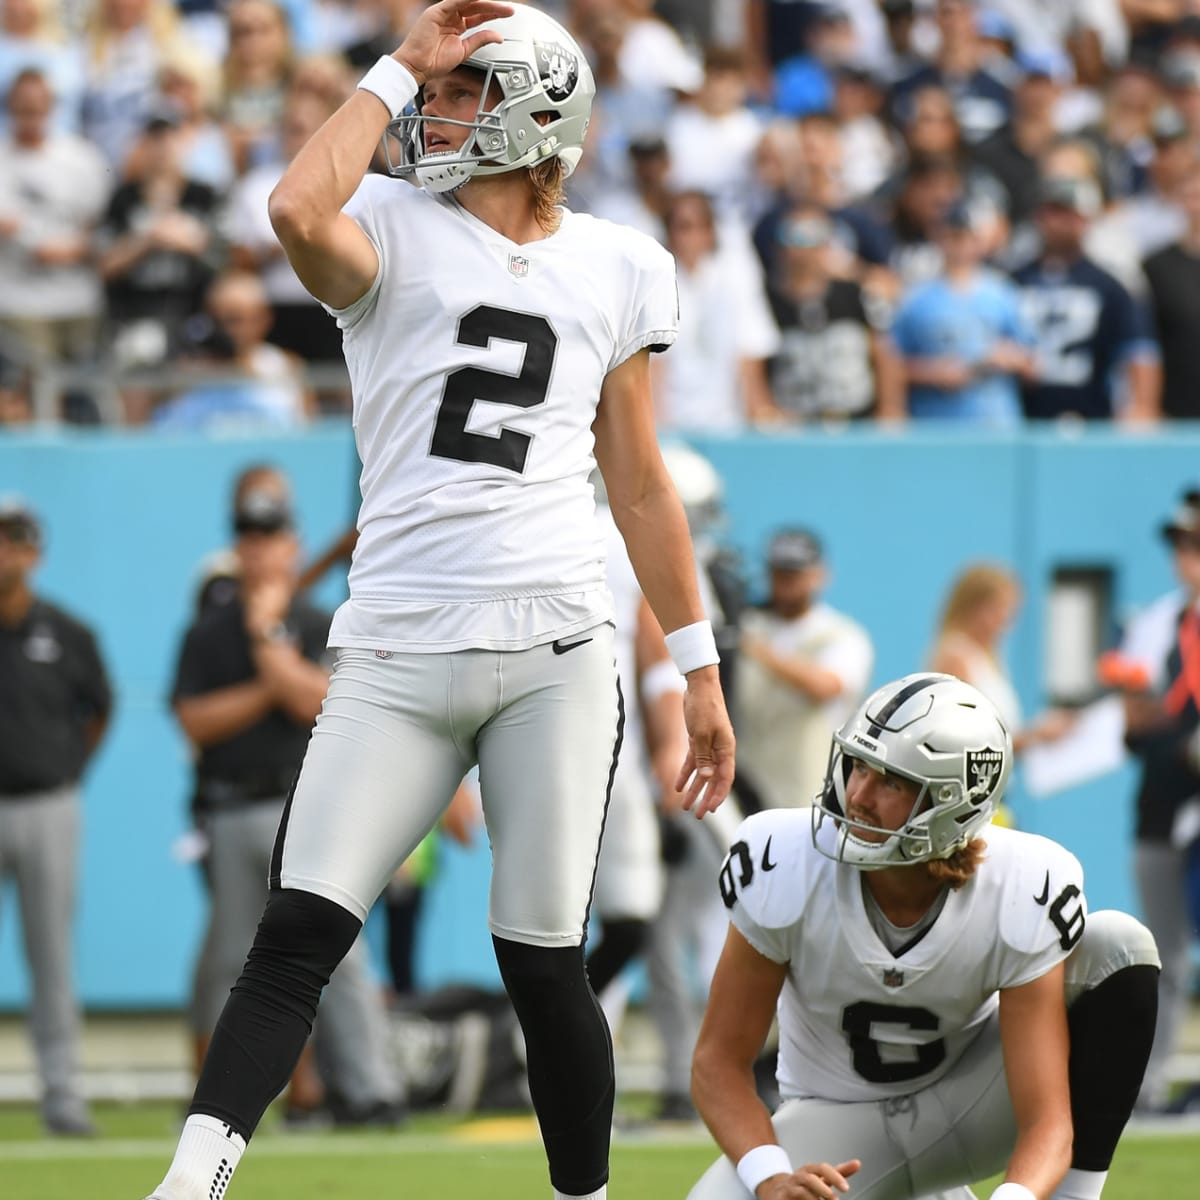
[
  {"x": 983, "y": 772},
  {"x": 558, "y": 68}
]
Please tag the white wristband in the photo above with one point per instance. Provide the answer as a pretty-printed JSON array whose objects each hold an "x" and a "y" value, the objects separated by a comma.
[
  {"x": 693, "y": 647},
  {"x": 761, "y": 1163},
  {"x": 661, "y": 679},
  {"x": 1013, "y": 1191},
  {"x": 391, "y": 82}
]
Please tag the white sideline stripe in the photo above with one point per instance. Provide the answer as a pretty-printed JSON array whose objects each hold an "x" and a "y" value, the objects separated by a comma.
[
  {"x": 334, "y": 1145},
  {"x": 343, "y": 1146}
]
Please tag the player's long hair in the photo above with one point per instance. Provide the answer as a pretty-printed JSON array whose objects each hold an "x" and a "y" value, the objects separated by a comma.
[
  {"x": 547, "y": 180},
  {"x": 960, "y": 866}
]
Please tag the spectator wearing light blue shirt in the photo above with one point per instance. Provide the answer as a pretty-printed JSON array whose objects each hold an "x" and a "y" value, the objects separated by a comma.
[
  {"x": 31, "y": 39},
  {"x": 964, "y": 343}
]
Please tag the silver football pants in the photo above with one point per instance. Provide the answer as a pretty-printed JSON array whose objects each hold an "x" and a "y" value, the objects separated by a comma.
[{"x": 397, "y": 733}]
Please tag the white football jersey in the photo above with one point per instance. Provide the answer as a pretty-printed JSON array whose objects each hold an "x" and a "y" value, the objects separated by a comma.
[
  {"x": 857, "y": 1022},
  {"x": 476, "y": 366}
]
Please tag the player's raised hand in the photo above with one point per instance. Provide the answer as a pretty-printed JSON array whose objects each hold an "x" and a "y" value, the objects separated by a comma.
[
  {"x": 814, "y": 1181},
  {"x": 435, "y": 45},
  {"x": 707, "y": 772}
]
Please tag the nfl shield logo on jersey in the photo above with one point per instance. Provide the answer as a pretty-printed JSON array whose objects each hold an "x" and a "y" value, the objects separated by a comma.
[
  {"x": 892, "y": 977},
  {"x": 518, "y": 265}
]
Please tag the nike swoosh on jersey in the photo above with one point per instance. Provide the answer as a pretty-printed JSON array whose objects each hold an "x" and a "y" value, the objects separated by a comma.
[
  {"x": 1045, "y": 891},
  {"x": 563, "y": 647},
  {"x": 767, "y": 865}
]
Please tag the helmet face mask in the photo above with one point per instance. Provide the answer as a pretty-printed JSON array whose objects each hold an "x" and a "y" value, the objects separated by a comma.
[
  {"x": 940, "y": 734},
  {"x": 545, "y": 98}
]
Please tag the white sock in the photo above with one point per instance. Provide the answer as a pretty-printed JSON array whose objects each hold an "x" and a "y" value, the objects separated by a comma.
[
  {"x": 600, "y": 1194},
  {"x": 1081, "y": 1185},
  {"x": 204, "y": 1163}
]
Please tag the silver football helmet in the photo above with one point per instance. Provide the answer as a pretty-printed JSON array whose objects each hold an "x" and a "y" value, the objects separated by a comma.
[
  {"x": 946, "y": 737},
  {"x": 698, "y": 484},
  {"x": 540, "y": 69}
]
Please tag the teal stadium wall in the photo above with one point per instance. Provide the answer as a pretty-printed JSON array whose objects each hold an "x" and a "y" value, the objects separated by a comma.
[{"x": 129, "y": 516}]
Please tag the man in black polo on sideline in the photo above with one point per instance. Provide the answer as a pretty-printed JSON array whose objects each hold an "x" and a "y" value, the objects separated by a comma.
[
  {"x": 55, "y": 703},
  {"x": 251, "y": 678}
]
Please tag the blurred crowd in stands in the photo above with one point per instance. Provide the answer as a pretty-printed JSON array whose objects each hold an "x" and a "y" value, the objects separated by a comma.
[{"x": 983, "y": 212}]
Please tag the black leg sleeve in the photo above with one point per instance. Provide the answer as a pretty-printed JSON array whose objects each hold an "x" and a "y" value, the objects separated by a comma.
[
  {"x": 570, "y": 1057},
  {"x": 1112, "y": 1028},
  {"x": 269, "y": 1014},
  {"x": 621, "y": 941}
]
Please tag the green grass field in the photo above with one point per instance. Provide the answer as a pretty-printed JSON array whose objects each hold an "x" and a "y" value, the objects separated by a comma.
[{"x": 497, "y": 1159}]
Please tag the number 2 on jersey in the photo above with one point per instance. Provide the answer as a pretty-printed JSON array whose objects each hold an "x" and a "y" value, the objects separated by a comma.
[{"x": 527, "y": 389}]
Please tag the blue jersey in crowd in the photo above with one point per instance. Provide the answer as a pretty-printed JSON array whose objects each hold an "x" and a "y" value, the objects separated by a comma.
[
  {"x": 939, "y": 319},
  {"x": 1087, "y": 327}
]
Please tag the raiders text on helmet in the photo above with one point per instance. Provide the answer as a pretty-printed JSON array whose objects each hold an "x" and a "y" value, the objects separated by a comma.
[
  {"x": 540, "y": 70},
  {"x": 946, "y": 737}
]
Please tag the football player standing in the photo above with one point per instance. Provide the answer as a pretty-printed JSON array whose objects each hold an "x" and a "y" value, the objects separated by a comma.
[
  {"x": 947, "y": 1007},
  {"x": 498, "y": 348}
]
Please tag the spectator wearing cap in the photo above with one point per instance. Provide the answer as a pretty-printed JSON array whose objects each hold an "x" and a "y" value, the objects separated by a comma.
[
  {"x": 250, "y": 679},
  {"x": 55, "y": 704},
  {"x": 155, "y": 243},
  {"x": 802, "y": 668},
  {"x": 1106, "y": 238},
  {"x": 834, "y": 361},
  {"x": 53, "y": 191},
  {"x": 1181, "y": 74},
  {"x": 1153, "y": 217},
  {"x": 1013, "y": 152},
  {"x": 963, "y": 341},
  {"x": 982, "y": 101},
  {"x": 1161, "y": 660},
  {"x": 1173, "y": 276},
  {"x": 1095, "y": 356}
]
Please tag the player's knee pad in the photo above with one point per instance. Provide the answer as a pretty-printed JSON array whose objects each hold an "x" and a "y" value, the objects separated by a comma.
[
  {"x": 300, "y": 941},
  {"x": 1111, "y": 941}
]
